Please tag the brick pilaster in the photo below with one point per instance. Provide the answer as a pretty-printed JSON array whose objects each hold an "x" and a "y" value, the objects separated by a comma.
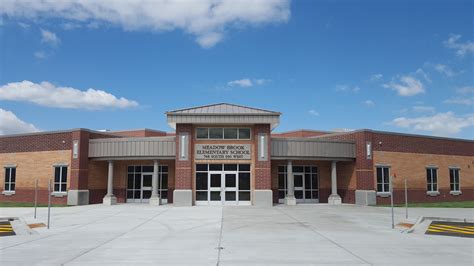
[
  {"x": 80, "y": 165},
  {"x": 184, "y": 168},
  {"x": 263, "y": 171}
]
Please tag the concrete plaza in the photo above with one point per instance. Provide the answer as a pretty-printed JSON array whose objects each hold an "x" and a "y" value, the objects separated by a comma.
[{"x": 134, "y": 234}]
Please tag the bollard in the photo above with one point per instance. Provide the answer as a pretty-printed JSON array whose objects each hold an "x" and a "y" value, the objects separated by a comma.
[
  {"x": 391, "y": 201},
  {"x": 49, "y": 202},
  {"x": 406, "y": 200},
  {"x": 36, "y": 195}
]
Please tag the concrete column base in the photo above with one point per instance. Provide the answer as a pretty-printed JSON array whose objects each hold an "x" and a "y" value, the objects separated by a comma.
[
  {"x": 365, "y": 197},
  {"x": 109, "y": 200},
  {"x": 182, "y": 197},
  {"x": 263, "y": 198},
  {"x": 78, "y": 197},
  {"x": 155, "y": 201},
  {"x": 334, "y": 199},
  {"x": 291, "y": 200}
]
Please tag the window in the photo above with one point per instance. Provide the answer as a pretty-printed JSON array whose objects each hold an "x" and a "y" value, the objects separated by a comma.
[
  {"x": 10, "y": 176},
  {"x": 383, "y": 177},
  {"x": 432, "y": 179},
  {"x": 306, "y": 183},
  {"x": 135, "y": 182},
  {"x": 222, "y": 133},
  {"x": 454, "y": 179},
  {"x": 60, "y": 179}
]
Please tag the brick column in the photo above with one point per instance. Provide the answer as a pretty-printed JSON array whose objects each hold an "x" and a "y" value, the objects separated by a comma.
[
  {"x": 263, "y": 194},
  {"x": 78, "y": 193},
  {"x": 182, "y": 195},
  {"x": 365, "y": 191}
]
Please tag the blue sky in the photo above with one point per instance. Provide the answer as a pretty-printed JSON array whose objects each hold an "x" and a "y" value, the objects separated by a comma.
[{"x": 404, "y": 66}]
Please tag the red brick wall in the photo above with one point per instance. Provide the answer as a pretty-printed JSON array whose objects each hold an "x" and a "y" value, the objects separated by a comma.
[
  {"x": 36, "y": 142},
  {"x": 299, "y": 134},
  {"x": 184, "y": 169},
  {"x": 140, "y": 133},
  {"x": 263, "y": 173},
  {"x": 28, "y": 195}
]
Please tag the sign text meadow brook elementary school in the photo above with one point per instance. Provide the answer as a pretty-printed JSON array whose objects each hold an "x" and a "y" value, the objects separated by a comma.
[{"x": 223, "y": 152}]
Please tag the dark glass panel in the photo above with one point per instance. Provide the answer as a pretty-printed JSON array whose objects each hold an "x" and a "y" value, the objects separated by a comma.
[
  {"x": 281, "y": 181},
  {"x": 451, "y": 176},
  {"x": 244, "y": 196},
  {"x": 138, "y": 169},
  {"x": 12, "y": 187},
  {"x": 201, "y": 181},
  {"x": 244, "y": 167},
  {"x": 64, "y": 175},
  {"x": 130, "y": 169},
  {"x": 307, "y": 194},
  {"x": 7, "y": 173},
  {"x": 215, "y": 167},
  {"x": 281, "y": 169},
  {"x": 314, "y": 169},
  {"x": 244, "y": 133},
  {"x": 315, "y": 194},
  {"x": 129, "y": 194},
  {"x": 428, "y": 175},
  {"x": 379, "y": 175},
  {"x": 230, "y": 180},
  {"x": 307, "y": 169},
  {"x": 230, "y": 196},
  {"x": 201, "y": 195},
  {"x": 298, "y": 169},
  {"x": 57, "y": 173},
  {"x": 136, "y": 194},
  {"x": 201, "y": 167},
  {"x": 307, "y": 181},
  {"x": 452, "y": 187},
  {"x": 130, "y": 181},
  {"x": 386, "y": 187},
  {"x": 386, "y": 175},
  {"x": 215, "y": 195},
  {"x": 215, "y": 133},
  {"x": 56, "y": 187},
  {"x": 379, "y": 187},
  {"x": 315, "y": 184},
  {"x": 281, "y": 194},
  {"x": 13, "y": 175},
  {"x": 435, "y": 175},
  {"x": 164, "y": 194},
  {"x": 244, "y": 181},
  {"x": 146, "y": 194},
  {"x": 147, "y": 169},
  {"x": 147, "y": 179},
  {"x": 215, "y": 180},
  {"x": 164, "y": 168},
  {"x": 230, "y": 133},
  {"x": 298, "y": 180},
  {"x": 63, "y": 188},
  {"x": 230, "y": 167},
  {"x": 164, "y": 181},
  {"x": 435, "y": 187},
  {"x": 5, "y": 186},
  {"x": 138, "y": 181},
  {"x": 299, "y": 194},
  {"x": 202, "y": 133}
]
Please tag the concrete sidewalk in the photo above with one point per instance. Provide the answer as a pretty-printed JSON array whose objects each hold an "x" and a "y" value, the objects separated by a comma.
[{"x": 286, "y": 235}]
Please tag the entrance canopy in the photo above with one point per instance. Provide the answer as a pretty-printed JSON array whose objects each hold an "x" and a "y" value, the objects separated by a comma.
[{"x": 311, "y": 149}]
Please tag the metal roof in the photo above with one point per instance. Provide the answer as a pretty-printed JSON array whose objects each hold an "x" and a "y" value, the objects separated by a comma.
[
  {"x": 222, "y": 109},
  {"x": 223, "y": 114}
]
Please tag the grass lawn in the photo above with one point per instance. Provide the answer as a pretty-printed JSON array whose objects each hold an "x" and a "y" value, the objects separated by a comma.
[
  {"x": 445, "y": 204},
  {"x": 27, "y": 204}
]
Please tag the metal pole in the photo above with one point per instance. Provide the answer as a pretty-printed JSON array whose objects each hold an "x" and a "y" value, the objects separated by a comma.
[
  {"x": 391, "y": 201},
  {"x": 49, "y": 201},
  {"x": 36, "y": 195},
  {"x": 406, "y": 200}
]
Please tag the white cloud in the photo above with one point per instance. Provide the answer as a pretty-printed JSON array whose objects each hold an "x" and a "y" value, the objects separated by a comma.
[
  {"x": 443, "y": 124},
  {"x": 241, "y": 82},
  {"x": 460, "y": 101},
  {"x": 406, "y": 86},
  {"x": 39, "y": 54},
  {"x": 423, "y": 109},
  {"x": 347, "y": 88},
  {"x": 461, "y": 48},
  {"x": 207, "y": 20},
  {"x": 369, "y": 103},
  {"x": 24, "y": 25},
  {"x": 313, "y": 112},
  {"x": 11, "y": 124},
  {"x": 445, "y": 70},
  {"x": 49, "y": 38},
  {"x": 375, "y": 77},
  {"x": 47, "y": 94},
  {"x": 246, "y": 82},
  {"x": 466, "y": 90}
]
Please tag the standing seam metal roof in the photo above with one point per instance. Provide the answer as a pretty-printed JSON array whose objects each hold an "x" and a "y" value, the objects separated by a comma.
[{"x": 222, "y": 108}]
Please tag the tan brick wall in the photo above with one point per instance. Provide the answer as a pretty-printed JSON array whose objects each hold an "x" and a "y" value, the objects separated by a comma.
[
  {"x": 413, "y": 167},
  {"x": 32, "y": 165}
]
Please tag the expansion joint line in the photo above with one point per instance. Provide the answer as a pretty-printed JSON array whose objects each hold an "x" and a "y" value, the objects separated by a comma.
[
  {"x": 219, "y": 247},
  {"x": 325, "y": 237}
]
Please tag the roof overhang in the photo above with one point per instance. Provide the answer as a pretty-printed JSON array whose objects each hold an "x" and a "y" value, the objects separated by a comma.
[{"x": 223, "y": 119}]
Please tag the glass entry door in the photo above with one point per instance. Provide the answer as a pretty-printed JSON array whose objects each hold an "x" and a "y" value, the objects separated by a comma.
[
  {"x": 223, "y": 188},
  {"x": 146, "y": 187},
  {"x": 299, "y": 187},
  {"x": 215, "y": 188}
]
